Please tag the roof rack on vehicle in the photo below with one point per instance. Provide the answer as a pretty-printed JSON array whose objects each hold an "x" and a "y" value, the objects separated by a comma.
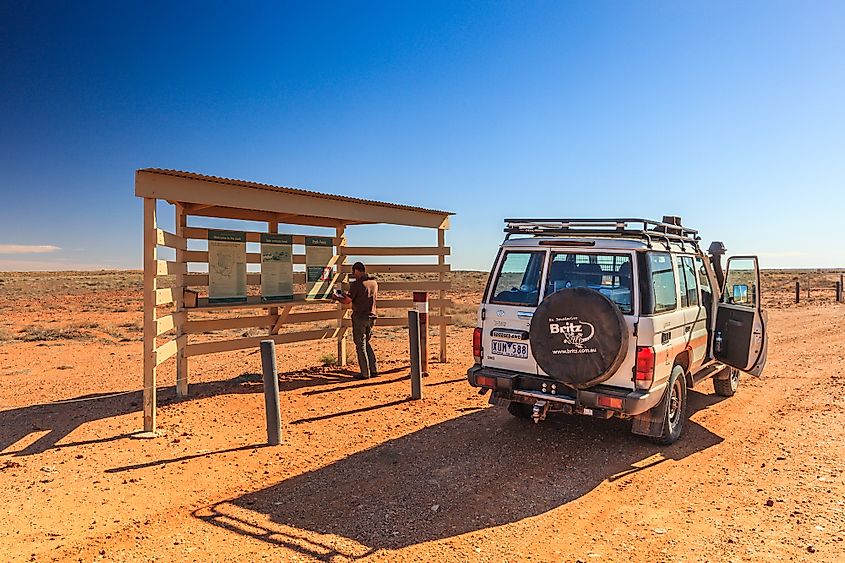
[{"x": 667, "y": 231}]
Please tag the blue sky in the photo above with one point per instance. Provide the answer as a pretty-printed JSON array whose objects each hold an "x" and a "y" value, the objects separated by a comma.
[{"x": 728, "y": 114}]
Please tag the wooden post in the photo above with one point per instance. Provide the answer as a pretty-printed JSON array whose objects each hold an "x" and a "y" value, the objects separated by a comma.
[
  {"x": 181, "y": 314},
  {"x": 841, "y": 286},
  {"x": 340, "y": 233},
  {"x": 797, "y": 292},
  {"x": 838, "y": 292},
  {"x": 415, "y": 356},
  {"x": 273, "y": 227},
  {"x": 808, "y": 290},
  {"x": 149, "y": 314},
  {"x": 441, "y": 260},
  {"x": 420, "y": 299}
]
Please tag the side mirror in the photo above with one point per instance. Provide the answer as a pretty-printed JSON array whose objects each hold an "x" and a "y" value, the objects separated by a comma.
[{"x": 740, "y": 293}]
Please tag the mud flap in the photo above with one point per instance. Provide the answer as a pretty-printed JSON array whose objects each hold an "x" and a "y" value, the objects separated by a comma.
[{"x": 650, "y": 423}]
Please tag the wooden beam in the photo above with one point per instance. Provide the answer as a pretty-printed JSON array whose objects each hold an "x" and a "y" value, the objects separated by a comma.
[
  {"x": 168, "y": 322},
  {"x": 198, "y": 233},
  {"x": 340, "y": 235},
  {"x": 402, "y": 321},
  {"x": 246, "y": 195},
  {"x": 166, "y": 296},
  {"x": 163, "y": 238},
  {"x": 151, "y": 236},
  {"x": 166, "y": 351},
  {"x": 409, "y": 303},
  {"x": 413, "y": 286},
  {"x": 266, "y": 217},
  {"x": 181, "y": 221},
  {"x": 201, "y": 257},
  {"x": 164, "y": 268},
  {"x": 401, "y": 268},
  {"x": 396, "y": 251},
  {"x": 202, "y": 348},
  {"x": 441, "y": 276}
]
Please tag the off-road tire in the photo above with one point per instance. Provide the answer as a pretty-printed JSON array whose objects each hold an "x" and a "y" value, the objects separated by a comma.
[
  {"x": 727, "y": 387},
  {"x": 675, "y": 412},
  {"x": 520, "y": 410},
  {"x": 578, "y": 337}
]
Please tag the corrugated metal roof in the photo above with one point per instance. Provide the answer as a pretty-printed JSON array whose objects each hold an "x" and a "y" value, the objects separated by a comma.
[{"x": 296, "y": 191}]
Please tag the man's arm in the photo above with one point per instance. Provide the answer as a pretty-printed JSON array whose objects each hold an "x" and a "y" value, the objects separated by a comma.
[{"x": 342, "y": 297}]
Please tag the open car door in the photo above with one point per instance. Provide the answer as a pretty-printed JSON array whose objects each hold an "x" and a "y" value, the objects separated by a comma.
[{"x": 741, "y": 339}]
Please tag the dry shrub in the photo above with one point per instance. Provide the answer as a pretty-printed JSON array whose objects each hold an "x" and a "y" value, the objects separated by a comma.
[{"x": 34, "y": 333}]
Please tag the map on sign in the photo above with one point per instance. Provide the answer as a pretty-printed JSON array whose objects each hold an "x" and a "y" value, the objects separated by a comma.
[
  {"x": 276, "y": 267},
  {"x": 319, "y": 267},
  {"x": 226, "y": 266}
]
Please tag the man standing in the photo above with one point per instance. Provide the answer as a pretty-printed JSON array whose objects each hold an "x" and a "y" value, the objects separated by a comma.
[{"x": 362, "y": 294}]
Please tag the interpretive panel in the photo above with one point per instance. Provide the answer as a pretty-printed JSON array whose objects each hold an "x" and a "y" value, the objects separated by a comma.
[
  {"x": 319, "y": 271},
  {"x": 276, "y": 267},
  {"x": 226, "y": 266}
]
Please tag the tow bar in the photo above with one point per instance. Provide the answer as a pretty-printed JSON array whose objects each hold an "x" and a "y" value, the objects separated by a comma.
[{"x": 539, "y": 411}]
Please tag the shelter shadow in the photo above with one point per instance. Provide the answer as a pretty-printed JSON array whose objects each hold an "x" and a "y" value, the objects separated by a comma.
[{"x": 468, "y": 473}]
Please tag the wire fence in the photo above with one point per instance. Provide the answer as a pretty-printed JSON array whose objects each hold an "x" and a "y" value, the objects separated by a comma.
[{"x": 808, "y": 288}]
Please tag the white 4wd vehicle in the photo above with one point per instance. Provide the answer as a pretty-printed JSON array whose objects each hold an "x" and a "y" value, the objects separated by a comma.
[{"x": 615, "y": 317}]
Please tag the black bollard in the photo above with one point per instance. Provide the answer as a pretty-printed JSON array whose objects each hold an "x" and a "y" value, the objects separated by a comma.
[
  {"x": 271, "y": 392},
  {"x": 416, "y": 360}
]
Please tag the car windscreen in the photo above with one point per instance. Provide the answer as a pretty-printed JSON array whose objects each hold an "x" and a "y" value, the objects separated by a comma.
[
  {"x": 609, "y": 274},
  {"x": 518, "y": 279}
]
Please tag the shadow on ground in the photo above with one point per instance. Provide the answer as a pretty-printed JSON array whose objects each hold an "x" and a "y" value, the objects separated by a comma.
[
  {"x": 57, "y": 420},
  {"x": 476, "y": 471}
]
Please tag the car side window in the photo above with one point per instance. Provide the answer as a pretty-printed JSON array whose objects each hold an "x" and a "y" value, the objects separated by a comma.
[
  {"x": 518, "y": 280},
  {"x": 662, "y": 282},
  {"x": 688, "y": 283},
  {"x": 704, "y": 283}
]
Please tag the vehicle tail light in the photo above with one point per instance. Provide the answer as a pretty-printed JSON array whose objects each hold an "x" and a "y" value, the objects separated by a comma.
[
  {"x": 476, "y": 344},
  {"x": 610, "y": 402},
  {"x": 645, "y": 367},
  {"x": 486, "y": 381}
]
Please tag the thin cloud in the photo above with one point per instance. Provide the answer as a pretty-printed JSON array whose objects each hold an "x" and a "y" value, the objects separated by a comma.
[{"x": 27, "y": 248}]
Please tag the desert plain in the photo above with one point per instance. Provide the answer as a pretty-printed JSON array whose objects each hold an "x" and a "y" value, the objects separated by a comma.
[{"x": 364, "y": 473}]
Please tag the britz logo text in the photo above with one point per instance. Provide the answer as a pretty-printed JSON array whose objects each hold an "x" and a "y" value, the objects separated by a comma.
[{"x": 572, "y": 330}]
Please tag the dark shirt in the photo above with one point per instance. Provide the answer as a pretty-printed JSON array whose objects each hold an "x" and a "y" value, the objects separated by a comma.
[{"x": 363, "y": 292}]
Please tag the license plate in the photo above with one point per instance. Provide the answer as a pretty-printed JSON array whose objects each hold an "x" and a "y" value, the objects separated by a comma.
[{"x": 511, "y": 349}]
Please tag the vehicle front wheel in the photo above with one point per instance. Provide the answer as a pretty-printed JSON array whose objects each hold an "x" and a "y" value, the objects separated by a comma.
[
  {"x": 675, "y": 415},
  {"x": 520, "y": 410},
  {"x": 727, "y": 387}
]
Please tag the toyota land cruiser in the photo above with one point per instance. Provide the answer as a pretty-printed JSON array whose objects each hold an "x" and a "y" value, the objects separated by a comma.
[{"x": 615, "y": 317}]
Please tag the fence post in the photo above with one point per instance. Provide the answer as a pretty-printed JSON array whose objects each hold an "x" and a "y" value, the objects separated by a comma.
[
  {"x": 416, "y": 363},
  {"x": 797, "y": 292},
  {"x": 271, "y": 392},
  {"x": 838, "y": 292}
]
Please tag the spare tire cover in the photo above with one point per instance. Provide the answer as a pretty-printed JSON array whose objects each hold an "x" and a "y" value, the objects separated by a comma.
[{"x": 578, "y": 336}]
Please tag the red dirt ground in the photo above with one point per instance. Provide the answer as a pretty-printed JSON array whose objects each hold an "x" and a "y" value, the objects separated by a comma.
[{"x": 366, "y": 473}]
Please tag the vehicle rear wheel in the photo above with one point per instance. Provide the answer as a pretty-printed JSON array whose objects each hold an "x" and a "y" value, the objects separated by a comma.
[
  {"x": 727, "y": 387},
  {"x": 520, "y": 410},
  {"x": 675, "y": 415}
]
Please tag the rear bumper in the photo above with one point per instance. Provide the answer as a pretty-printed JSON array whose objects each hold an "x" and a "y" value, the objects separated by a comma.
[{"x": 523, "y": 388}]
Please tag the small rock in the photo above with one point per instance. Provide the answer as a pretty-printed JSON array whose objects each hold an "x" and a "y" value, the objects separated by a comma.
[
  {"x": 48, "y": 469},
  {"x": 770, "y": 502},
  {"x": 659, "y": 530},
  {"x": 811, "y": 549},
  {"x": 435, "y": 507}
]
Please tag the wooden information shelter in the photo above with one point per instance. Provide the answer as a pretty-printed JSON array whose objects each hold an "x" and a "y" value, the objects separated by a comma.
[{"x": 173, "y": 315}]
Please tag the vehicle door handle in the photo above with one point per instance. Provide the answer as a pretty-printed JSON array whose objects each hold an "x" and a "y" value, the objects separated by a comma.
[
  {"x": 664, "y": 338},
  {"x": 524, "y": 314}
]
